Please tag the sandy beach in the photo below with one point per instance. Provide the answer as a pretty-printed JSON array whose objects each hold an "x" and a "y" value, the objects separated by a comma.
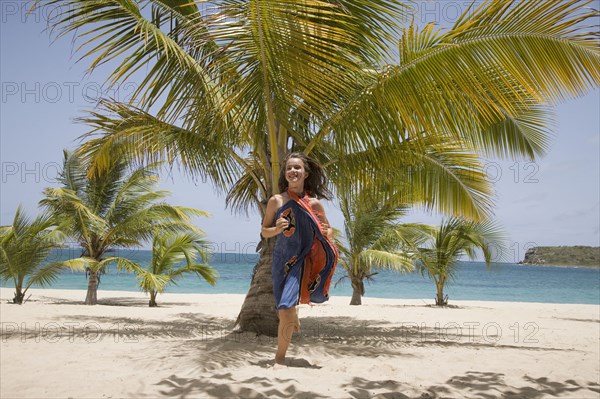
[{"x": 56, "y": 347}]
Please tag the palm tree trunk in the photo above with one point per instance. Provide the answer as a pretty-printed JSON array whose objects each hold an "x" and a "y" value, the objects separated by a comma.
[
  {"x": 440, "y": 300},
  {"x": 18, "y": 299},
  {"x": 92, "y": 297},
  {"x": 258, "y": 312},
  {"x": 19, "y": 295},
  {"x": 152, "y": 299},
  {"x": 358, "y": 290}
]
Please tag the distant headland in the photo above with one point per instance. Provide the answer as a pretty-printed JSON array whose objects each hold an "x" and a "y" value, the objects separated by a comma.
[{"x": 577, "y": 255}]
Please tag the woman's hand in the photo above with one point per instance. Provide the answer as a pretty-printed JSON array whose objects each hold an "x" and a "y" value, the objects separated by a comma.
[
  {"x": 281, "y": 224},
  {"x": 326, "y": 230}
]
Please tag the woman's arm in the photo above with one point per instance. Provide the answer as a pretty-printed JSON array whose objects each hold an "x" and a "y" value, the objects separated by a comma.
[{"x": 268, "y": 230}]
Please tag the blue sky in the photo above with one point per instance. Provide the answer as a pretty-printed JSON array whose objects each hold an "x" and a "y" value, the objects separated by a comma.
[{"x": 552, "y": 201}]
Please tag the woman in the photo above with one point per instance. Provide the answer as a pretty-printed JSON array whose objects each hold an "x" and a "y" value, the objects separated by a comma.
[{"x": 304, "y": 257}]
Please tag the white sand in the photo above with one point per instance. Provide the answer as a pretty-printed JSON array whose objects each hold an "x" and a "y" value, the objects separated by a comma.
[{"x": 53, "y": 346}]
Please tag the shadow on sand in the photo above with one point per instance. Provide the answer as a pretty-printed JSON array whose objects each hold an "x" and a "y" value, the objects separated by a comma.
[
  {"x": 208, "y": 352},
  {"x": 111, "y": 301},
  {"x": 228, "y": 387},
  {"x": 491, "y": 385},
  {"x": 472, "y": 385}
]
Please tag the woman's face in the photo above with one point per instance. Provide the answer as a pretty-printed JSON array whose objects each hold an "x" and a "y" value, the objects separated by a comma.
[{"x": 295, "y": 173}]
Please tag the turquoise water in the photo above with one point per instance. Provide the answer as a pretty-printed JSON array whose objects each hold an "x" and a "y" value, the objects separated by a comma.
[{"x": 503, "y": 282}]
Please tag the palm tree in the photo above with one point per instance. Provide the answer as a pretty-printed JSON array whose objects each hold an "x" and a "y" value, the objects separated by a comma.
[
  {"x": 168, "y": 251},
  {"x": 374, "y": 237},
  {"x": 374, "y": 240},
  {"x": 453, "y": 239},
  {"x": 232, "y": 89},
  {"x": 110, "y": 209},
  {"x": 24, "y": 247}
]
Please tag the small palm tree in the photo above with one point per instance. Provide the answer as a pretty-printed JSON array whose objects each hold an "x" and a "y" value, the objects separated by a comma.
[
  {"x": 169, "y": 250},
  {"x": 374, "y": 237},
  {"x": 453, "y": 239},
  {"x": 110, "y": 209},
  {"x": 23, "y": 248},
  {"x": 373, "y": 241}
]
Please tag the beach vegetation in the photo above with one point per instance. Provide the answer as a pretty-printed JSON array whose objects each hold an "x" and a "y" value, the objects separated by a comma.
[
  {"x": 174, "y": 255},
  {"x": 24, "y": 248},
  {"x": 116, "y": 207},
  {"x": 228, "y": 88},
  {"x": 576, "y": 255},
  {"x": 375, "y": 239},
  {"x": 455, "y": 238}
]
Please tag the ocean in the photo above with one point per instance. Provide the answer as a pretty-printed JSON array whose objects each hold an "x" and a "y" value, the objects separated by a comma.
[{"x": 506, "y": 282}]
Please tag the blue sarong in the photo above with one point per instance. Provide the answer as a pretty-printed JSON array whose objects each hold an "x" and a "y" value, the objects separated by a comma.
[{"x": 304, "y": 259}]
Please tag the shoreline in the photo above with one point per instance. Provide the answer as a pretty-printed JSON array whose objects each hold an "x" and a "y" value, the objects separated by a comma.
[
  {"x": 78, "y": 295},
  {"x": 54, "y": 346}
]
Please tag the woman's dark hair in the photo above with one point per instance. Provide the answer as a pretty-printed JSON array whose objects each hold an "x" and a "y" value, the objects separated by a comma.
[{"x": 315, "y": 183}]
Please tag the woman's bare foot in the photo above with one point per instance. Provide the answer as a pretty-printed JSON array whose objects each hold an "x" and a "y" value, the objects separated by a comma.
[{"x": 279, "y": 363}]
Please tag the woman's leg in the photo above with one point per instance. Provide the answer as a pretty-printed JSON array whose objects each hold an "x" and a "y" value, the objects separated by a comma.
[
  {"x": 288, "y": 319},
  {"x": 297, "y": 324}
]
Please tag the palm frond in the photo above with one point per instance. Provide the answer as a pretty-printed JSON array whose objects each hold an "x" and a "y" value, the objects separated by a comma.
[
  {"x": 485, "y": 77},
  {"x": 209, "y": 274},
  {"x": 47, "y": 274},
  {"x": 153, "y": 282},
  {"x": 404, "y": 236},
  {"x": 442, "y": 175},
  {"x": 82, "y": 263},
  {"x": 129, "y": 132},
  {"x": 396, "y": 261},
  {"x": 138, "y": 31},
  {"x": 247, "y": 192}
]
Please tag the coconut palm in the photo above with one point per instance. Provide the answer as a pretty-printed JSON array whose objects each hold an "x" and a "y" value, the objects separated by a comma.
[
  {"x": 169, "y": 250},
  {"x": 24, "y": 248},
  {"x": 228, "y": 91},
  {"x": 369, "y": 247},
  {"x": 374, "y": 236},
  {"x": 374, "y": 240},
  {"x": 109, "y": 209},
  {"x": 454, "y": 239}
]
